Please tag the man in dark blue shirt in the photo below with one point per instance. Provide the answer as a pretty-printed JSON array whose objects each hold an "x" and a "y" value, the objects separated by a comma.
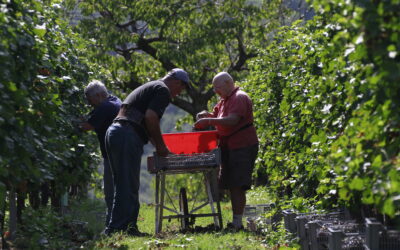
[
  {"x": 106, "y": 108},
  {"x": 137, "y": 122}
]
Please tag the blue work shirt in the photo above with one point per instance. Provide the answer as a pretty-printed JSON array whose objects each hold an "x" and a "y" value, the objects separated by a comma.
[{"x": 101, "y": 118}]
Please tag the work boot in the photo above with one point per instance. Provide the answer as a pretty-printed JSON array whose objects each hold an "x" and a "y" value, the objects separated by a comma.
[
  {"x": 134, "y": 231},
  {"x": 232, "y": 228}
]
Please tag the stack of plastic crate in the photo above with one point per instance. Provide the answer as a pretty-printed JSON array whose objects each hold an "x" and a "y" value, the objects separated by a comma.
[
  {"x": 380, "y": 237},
  {"x": 255, "y": 216},
  {"x": 298, "y": 223},
  {"x": 317, "y": 231},
  {"x": 289, "y": 217},
  {"x": 334, "y": 231},
  {"x": 372, "y": 235},
  {"x": 306, "y": 234},
  {"x": 348, "y": 235}
]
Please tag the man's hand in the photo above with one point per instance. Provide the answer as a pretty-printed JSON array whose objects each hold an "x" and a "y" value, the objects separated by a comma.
[
  {"x": 163, "y": 151},
  {"x": 85, "y": 126},
  {"x": 202, "y": 123},
  {"x": 202, "y": 114}
]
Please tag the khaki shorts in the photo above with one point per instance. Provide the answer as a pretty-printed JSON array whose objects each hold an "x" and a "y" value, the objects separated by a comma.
[{"x": 237, "y": 167}]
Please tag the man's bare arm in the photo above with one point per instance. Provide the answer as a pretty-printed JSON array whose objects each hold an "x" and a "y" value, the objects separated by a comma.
[
  {"x": 230, "y": 120},
  {"x": 153, "y": 127}
]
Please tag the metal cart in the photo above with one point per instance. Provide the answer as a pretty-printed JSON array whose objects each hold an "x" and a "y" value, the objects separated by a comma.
[{"x": 184, "y": 164}]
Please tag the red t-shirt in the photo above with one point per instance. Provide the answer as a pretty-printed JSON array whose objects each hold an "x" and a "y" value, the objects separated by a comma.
[{"x": 238, "y": 103}]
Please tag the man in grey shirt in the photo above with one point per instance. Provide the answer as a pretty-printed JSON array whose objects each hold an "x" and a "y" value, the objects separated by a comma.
[{"x": 137, "y": 122}]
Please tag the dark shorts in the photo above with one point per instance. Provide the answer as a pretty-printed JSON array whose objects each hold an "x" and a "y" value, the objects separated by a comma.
[{"x": 237, "y": 167}]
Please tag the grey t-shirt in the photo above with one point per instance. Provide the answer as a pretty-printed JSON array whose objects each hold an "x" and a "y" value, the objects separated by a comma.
[{"x": 153, "y": 95}]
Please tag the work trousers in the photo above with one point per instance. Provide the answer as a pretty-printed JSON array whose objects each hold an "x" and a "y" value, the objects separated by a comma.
[
  {"x": 108, "y": 188},
  {"x": 124, "y": 150}
]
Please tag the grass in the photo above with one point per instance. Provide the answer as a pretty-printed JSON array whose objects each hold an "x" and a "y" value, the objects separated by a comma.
[
  {"x": 172, "y": 237},
  {"x": 81, "y": 226}
]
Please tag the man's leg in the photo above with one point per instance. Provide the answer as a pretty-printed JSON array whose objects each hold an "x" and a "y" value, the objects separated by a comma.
[
  {"x": 132, "y": 181},
  {"x": 124, "y": 149},
  {"x": 241, "y": 165},
  {"x": 238, "y": 201},
  {"x": 108, "y": 188}
]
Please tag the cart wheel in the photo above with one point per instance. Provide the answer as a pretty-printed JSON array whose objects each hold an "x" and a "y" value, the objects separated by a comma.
[{"x": 183, "y": 205}]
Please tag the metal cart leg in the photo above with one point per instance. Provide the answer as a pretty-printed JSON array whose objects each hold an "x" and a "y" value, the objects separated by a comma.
[
  {"x": 219, "y": 213},
  {"x": 160, "y": 188},
  {"x": 217, "y": 223},
  {"x": 162, "y": 200},
  {"x": 157, "y": 215},
  {"x": 183, "y": 208}
]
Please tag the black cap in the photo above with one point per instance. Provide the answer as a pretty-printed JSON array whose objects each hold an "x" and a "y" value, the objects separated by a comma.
[{"x": 182, "y": 75}]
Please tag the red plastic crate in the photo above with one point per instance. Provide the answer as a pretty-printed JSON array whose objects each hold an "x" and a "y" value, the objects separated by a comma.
[{"x": 191, "y": 142}]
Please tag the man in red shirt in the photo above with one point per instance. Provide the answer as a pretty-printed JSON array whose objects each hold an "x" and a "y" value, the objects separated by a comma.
[{"x": 233, "y": 119}]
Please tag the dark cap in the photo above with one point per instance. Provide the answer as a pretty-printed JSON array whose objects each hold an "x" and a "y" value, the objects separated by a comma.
[{"x": 182, "y": 75}]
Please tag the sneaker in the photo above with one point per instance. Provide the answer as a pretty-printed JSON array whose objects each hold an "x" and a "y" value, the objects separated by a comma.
[
  {"x": 109, "y": 231},
  {"x": 103, "y": 233}
]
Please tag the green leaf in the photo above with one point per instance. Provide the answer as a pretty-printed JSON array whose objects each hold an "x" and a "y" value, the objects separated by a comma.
[
  {"x": 391, "y": 47},
  {"x": 357, "y": 184},
  {"x": 12, "y": 86},
  {"x": 358, "y": 149},
  {"x": 389, "y": 207},
  {"x": 40, "y": 30},
  {"x": 343, "y": 194},
  {"x": 377, "y": 163},
  {"x": 368, "y": 197}
]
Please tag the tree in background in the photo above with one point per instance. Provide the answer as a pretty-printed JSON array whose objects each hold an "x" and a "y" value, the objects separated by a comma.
[{"x": 141, "y": 40}]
